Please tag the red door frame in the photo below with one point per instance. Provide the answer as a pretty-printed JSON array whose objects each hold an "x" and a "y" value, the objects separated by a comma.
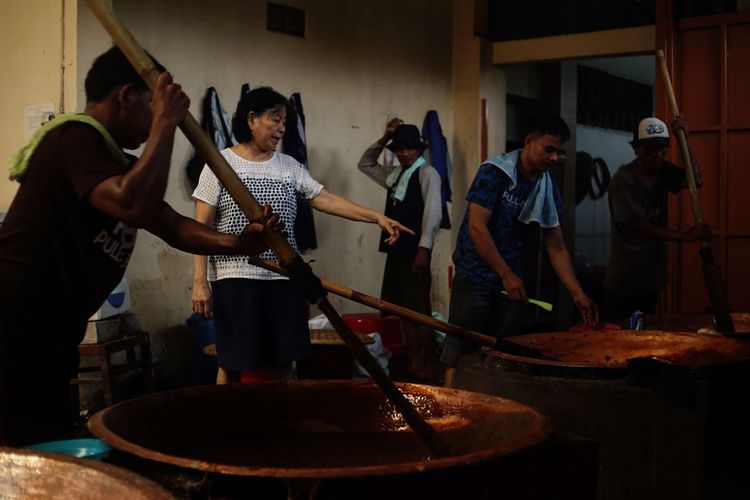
[{"x": 668, "y": 31}]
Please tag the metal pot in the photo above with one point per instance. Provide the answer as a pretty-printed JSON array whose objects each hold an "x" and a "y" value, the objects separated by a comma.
[
  {"x": 314, "y": 430},
  {"x": 29, "y": 474},
  {"x": 662, "y": 406},
  {"x": 609, "y": 353},
  {"x": 676, "y": 322}
]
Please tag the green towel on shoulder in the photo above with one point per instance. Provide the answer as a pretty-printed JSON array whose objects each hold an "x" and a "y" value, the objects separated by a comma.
[{"x": 20, "y": 161}]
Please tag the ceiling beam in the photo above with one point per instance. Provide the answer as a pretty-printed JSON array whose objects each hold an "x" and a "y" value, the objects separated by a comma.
[{"x": 641, "y": 39}]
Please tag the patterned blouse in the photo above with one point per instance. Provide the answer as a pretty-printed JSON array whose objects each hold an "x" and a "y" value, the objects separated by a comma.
[{"x": 278, "y": 182}]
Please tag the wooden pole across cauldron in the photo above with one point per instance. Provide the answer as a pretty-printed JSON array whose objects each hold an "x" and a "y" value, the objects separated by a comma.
[
  {"x": 711, "y": 272},
  {"x": 501, "y": 344},
  {"x": 290, "y": 260}
]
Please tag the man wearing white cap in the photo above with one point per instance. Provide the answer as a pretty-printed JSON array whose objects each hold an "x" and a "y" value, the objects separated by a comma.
[{"x": 637, "y": 269}]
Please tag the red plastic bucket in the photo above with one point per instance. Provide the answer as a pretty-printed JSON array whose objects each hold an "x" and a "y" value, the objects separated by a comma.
[{"x": 389, "y": 328}]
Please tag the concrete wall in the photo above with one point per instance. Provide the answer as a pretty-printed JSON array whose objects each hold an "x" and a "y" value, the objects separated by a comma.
[
  {"x": 493, "y": 88},
  {"x": 359, "y": 62},
  {"x": 38, "y": 36}
]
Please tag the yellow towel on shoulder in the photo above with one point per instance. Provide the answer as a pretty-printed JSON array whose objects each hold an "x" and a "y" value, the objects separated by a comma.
[{"x": 20, "y": 161}]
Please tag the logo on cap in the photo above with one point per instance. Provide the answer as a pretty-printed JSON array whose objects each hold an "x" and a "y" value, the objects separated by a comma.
[{"x": 654, "y": 128}]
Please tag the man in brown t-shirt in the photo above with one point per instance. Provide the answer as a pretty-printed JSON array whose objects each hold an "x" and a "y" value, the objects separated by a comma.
[
  {"x": 68, "y": 235},
  {"x": 637, "y": 269}
]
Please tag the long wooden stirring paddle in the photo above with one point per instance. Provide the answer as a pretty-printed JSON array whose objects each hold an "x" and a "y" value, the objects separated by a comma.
[
  {"x": 501, "y": 344},
  {"x": 711, "y": 272}
]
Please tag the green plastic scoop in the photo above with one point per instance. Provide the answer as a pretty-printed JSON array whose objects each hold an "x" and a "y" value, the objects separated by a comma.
[{"x": 539, "y": 303}]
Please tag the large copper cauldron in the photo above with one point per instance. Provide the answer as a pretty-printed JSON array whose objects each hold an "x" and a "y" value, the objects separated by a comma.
[
  {"x": 667, "y": 409},
  {"x": 314, "y": 429},
  {"x": 677, "y": 322},
  {"x": 34, "y": 475},
  {"x": 612, "y": 351}
]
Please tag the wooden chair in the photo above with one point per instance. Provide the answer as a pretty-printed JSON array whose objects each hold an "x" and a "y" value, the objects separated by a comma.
[{"x": 109, "y": 372}]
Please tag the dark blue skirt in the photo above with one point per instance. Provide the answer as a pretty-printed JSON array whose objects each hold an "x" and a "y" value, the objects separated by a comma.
[{"x": 259, "y": 323}]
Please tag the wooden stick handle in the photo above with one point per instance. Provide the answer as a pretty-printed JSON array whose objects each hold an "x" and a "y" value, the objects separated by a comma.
[
  {"x": 253, "y": 211},
  {"x": 711, "y": 272},
  {"x": 412, "y": 417},
  {"x": 388, "y": 307},
  {"x": 684, "y": 149},
  {"x": 145, "y": 67}
]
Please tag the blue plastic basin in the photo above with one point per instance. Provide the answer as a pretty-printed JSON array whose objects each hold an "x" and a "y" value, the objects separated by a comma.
[{"x": 94, "y": 449}]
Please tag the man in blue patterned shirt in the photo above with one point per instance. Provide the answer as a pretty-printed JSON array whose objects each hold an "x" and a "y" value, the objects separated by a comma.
[{"x": 509, "y": 192}]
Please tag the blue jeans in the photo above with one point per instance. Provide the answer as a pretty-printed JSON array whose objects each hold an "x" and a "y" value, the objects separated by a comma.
[{"x": 480, "y": 307}]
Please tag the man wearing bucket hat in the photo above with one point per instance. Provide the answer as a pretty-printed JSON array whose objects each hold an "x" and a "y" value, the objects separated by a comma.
[
  {"x": 637, "y": 269},
  {"x": 414, "y": 199}
]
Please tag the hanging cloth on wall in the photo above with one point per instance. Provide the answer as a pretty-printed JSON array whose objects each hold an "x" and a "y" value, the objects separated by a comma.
[
  {"x": 295, "y": 145},
  {"x": 215, "y": 121},
  {"x": 432, "y": 133}
]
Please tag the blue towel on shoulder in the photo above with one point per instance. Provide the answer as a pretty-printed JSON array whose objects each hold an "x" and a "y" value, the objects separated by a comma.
[{"x": 540, "y": 205}]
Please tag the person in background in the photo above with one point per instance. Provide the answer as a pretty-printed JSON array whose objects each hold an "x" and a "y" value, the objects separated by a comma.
[
  {"x": 637, "y": 269},
  {"x": 509, "y": 193},
  {"x": 260, "y": 317},
  {"x": 71, "y": 228},
  {"x": 413, "y": 198}
]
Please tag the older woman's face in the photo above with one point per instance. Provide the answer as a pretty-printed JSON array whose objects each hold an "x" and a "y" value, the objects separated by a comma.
[{"x": 268, "y": 128}]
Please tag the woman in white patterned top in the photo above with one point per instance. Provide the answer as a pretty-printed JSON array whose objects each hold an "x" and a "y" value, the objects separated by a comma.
[{"x": 260, "y": 318}]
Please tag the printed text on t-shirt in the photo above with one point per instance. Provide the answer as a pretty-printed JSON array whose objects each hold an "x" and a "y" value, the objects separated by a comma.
[
  {"x": 512, "y": 199},
  {"x": 119, "y": 243}
]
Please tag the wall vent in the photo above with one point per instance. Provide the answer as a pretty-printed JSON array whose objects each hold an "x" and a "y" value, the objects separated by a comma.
[{"x": 285, "y": 19}]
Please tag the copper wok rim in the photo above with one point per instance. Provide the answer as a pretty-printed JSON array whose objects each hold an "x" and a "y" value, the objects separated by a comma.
[
  {"x": 538, "y": 430},
  {"x": 582, "y": 365},
  {"x": 131, "y": 480}
]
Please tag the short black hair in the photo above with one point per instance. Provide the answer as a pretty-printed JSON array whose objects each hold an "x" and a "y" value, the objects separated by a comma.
[
  {"x": 109, "y": 70},
  {"x": 259, "y": 100},
  {"x": 548, "y": 124}
]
